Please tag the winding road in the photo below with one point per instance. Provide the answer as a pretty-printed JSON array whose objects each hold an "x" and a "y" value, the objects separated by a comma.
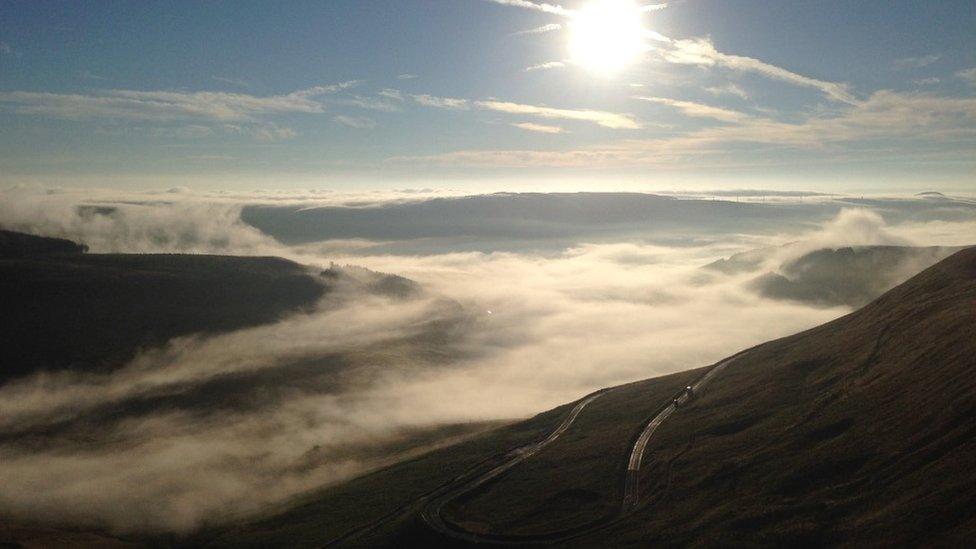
[
  {"x": 432, "y": 504},
  {"x": 431, "y": 513},
  {"x": 632, "y": 484}
]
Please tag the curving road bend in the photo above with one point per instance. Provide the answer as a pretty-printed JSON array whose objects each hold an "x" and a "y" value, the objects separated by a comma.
[
  {"x": 632, "y": 483},
  {"x": 432, "y": 504},
  {"x": 431, "y": 513}
]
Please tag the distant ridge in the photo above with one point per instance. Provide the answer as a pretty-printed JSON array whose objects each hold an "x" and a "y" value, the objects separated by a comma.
[{"x": 14, "y": 244}]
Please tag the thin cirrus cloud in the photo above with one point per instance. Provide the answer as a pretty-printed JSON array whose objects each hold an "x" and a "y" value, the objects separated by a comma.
[
  {"x": 701, "y": 52},
  {"x": 543, "y": 7},
  {"x": 605, "y": 119},
  {"x": 907, "y": 63},
  {"x": 538, "y": 128},
  {"x": 557, "y": 9},
  {"x": 728, "y": 89},
  {"x": 540, "y": 30},
  {"x": 967, "y": 75},
  {"x": 232, "y": 81},
  {"x": 449, "y": 103},
  {"x": 357, "y": 122},
  {"x": 167, "y": 105},
  {"x": 697, "y": 110},
  {"x": 885, "y": 115},
  {"x": 546, "y": 66}
]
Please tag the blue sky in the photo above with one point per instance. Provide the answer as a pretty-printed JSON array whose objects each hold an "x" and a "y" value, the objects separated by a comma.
[{"x": 490, "y": 94}]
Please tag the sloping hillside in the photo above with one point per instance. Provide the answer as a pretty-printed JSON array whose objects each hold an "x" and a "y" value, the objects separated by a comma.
[
  {"x": 66, "y": 310},
  {"x": 859, "y": 432},
  {"x": 851, "y": 276}
]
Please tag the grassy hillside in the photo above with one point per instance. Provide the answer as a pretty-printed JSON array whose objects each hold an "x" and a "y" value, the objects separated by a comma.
[
  {"x": 859, "y": 431},
  {"x": 94, "y": 311},
  {"x": 576, "y": 480},
  {"x": 856, "y": 432},
  {"x": 383, "y": 499}
]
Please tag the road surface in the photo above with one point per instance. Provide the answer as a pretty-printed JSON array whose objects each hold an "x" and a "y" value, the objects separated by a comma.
[
  {"x": 632, "y": 484},
  {"x": 432, "y": 512},
  {"x": 432, "y": 504}
]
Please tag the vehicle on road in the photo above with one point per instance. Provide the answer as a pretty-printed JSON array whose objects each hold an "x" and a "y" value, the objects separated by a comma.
[{"x": 686, "y": 395}]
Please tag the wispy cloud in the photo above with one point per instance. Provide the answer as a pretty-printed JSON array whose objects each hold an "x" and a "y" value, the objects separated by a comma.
[
  {"x": 360, "y": 123},
  {"x": 701, "y": 52},
  {"x": 539, "y": 128},
  {"x": 232, "y": 81},
  {"x": 167, "y": 105},
  {"x": 391, "y": 93},
  {"x": 5, "y": 49},
  {"x": 383, "y": 103},
  {"x": 697, "y": 109},
  {"x": 653, "y": 7},
  {"x": 906, "y": 63},
  {"x": 407, "y": 76},
  {"x": 728, "y": 89},
  {"x": 897, "y": 118},
  {"x": 263, "y": 132},
  {"x": 540, "y": 30},
  {"x": 601, "y": 118},
  {"x": 88, "y": 75},
  {"x": 543, "y": 7},
  {"x": 189, "y": 131},
  {"x": 546, "y": 66},
  {"x": 449, "y": 103},
  {"x": 968, "y": 75}
]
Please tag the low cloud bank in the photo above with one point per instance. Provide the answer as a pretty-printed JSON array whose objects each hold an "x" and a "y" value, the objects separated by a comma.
[{"x": 208, "y": 428}]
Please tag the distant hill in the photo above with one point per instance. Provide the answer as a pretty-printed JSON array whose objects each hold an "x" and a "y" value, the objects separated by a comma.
[
  {"x": 514, "y": 216},
  {"x": 66, "y": 310},
  {"x": 851, "y": 276},
  {"x": 534, "y": 221},
  {"x": 857, "y": 432},
  {"x": 14, "y": 244}
]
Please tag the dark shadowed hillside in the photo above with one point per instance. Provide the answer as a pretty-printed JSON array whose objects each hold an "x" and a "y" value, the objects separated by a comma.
[
  {"x": 851, "y": 276},
  {"x": 14, "y": 244},
  {"x": 69, "y": 310}
]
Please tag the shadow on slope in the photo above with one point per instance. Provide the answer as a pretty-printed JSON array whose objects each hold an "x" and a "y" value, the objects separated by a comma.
[
  {"x": 93, "y": 312},
  {"x": 828, "y": 277}
]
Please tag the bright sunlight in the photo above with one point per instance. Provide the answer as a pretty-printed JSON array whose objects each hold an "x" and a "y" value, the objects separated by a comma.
[{"x": 607, "y": 35}]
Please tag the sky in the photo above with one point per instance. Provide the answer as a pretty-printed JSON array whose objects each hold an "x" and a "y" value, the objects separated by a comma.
[{"x": 490, "y": 95}]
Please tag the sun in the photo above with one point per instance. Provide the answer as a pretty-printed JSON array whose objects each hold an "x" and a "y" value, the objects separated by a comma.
[{"x": 606, "y": 35}]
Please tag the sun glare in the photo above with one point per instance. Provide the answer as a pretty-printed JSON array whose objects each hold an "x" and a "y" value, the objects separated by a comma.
[{"x": 607, "y": 35}]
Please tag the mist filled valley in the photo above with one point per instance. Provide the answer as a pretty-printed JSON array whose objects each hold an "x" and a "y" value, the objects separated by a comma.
[{"x": 150, "y": 392}]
